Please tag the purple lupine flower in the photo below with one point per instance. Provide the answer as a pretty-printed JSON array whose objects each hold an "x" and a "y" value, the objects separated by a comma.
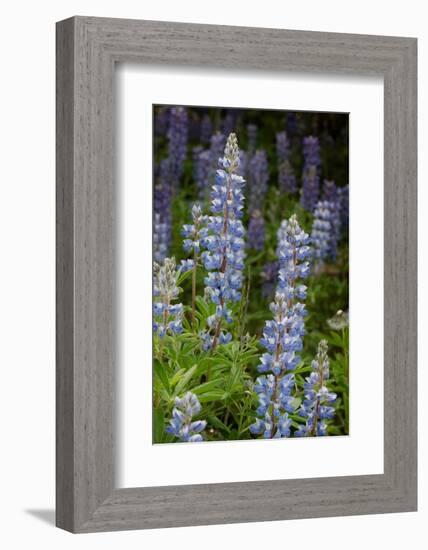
[
  {"x": 182, "y": 424},
  {"x": 258, "y": 176},
  {"x": 256, "y": 230},
  {"x": 330, "y": 191},
  {"x": 167, "y": 317},
  {"x": 311, "y": 151},
  {"x": 343, "y": 193},
  {"x": 201, "y": 170},
  {"x": 286, "y": 177},
  {"x": 310, "y": 178},
  {"x": 310, "y": 188},
  {"x": 317, "y": 405},
  {"x": 160, "y": 239},
  {"x": 161, "y": 121},
  {"x": 177, "y": 143},
  {"x": 282, "y": 336},
  {"x": 224, "y": 245},
  {"x": 325, "y": 231},
  {"x": 206, "y": 129},
  {"x": 162, "y": 212},
  {"x": 251, "y": 138}
]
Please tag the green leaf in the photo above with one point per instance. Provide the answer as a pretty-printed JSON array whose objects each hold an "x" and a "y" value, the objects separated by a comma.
[
  {"x": 209, "y": 396},
  {"x": 184, "y": 380},
  {"x": 177, "y": 376},
  {"x": 162, "y": 375},
  {"x": 207, "y": 386},
  {"x": 158, "y": 425}
]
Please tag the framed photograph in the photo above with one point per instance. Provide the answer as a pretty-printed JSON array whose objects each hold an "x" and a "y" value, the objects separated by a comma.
[{"x": 236, "y": 274}]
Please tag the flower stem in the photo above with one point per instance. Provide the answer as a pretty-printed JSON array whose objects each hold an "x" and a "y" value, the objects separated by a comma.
[{"x": 195, "y": 264}]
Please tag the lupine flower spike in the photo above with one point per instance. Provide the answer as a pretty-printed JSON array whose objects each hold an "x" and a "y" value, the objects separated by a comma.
[
  {"x": 317, "y": 405},
  {"x": 182, "y": 424},
  {"x": 282, "y": 337},
  {"x": 193, "y": 234},
  {"x": 256, "y": 230},
  {"x": 286, "y": 178},
  {"x": 258, "y": 176},
  {"x": 201, "y": 170},
  {"x": 206, "y": 129},
  {"x": 162, "y": 210},
  {"x": 343, "y": 193},
  {"x": 325, "y": 231},
  {"x": 167, "y": 316},
  {"x": 177, "y": 146},
  {"x": 224, "y": 245},
  {"x": 330, "y": 191},
  {"x": 312, "y": 161}
]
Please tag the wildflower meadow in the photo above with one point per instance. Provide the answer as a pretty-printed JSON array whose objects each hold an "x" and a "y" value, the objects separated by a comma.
[{"x": 250, "y": 274}]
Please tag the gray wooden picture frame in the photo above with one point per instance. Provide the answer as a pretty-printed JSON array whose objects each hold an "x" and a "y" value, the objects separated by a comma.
[{"x": 87, "y": 50}]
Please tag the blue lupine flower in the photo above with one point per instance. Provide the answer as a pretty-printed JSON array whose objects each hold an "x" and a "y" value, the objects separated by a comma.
[
  {"x": 286, "y": 178},
  {"x": 196, "y": 232},
  {"x": 310, "y": 183},
  {"x": 317, "y": 406},
  {"x": 282, "y": 336},
  {"x": 167, "y": 317},
  {"x": 182, "y": 424},
  {"x": 186, "y": 265},
  {"x": 325, "y": 231},
  {"x": 224, "y": 244},
  {"x": 256, "y": 231}
]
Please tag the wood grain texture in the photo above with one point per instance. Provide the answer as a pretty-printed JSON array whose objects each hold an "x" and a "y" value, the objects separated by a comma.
[{"x": 87, "y": 50}]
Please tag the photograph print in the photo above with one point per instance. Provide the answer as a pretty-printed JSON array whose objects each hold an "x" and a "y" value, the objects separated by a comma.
[{"x": 250, "y": 274}]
